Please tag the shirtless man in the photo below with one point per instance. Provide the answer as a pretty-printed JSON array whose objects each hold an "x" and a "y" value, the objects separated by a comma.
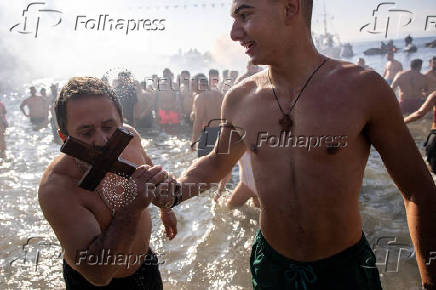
[
  {"x": 144, "y": 108},
  {"x": 431, "y": 75},
  {"x": 86, "y": 223},
  {"x": 168, "y": 101},
  {"x": 206, "y": 107},
  {"x": 310, "y": 227},
  {"x": 214, "y": 79},
  {"x": 38, "y": 107},
  {"x": 412, "y": 87},
  {"x": 186, "y": 96},
  {"x": 393, "y": 67}
]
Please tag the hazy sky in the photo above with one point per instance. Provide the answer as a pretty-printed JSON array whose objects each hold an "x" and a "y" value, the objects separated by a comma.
[{"x": 62, "y": 50}]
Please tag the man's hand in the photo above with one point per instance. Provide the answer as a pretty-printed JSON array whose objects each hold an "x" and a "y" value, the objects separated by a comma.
[
  {"x": 169, "y": 221},
  {"x": 144, "y": 177},
  {"x": 164, "y": 194}
]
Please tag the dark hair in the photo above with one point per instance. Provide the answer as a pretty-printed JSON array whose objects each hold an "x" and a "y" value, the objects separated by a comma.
[
  {"x": 213, "y": 72},
  {"x": 416, "y": 64},
  {"x": 200, "y": 83},
  {"x": 82, "y": 87}
]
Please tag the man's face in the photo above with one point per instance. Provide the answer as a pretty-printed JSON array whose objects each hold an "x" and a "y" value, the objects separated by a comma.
[
  {"x": 32, "y": 90},
  {"x": 214, "y": 80},
  {"x": 256, "y": 26},
  {"x": 92, "y": 119}
]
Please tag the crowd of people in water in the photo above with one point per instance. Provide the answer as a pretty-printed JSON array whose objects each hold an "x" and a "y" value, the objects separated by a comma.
[
  {"x": 310, "y": 222},
  {"x": 191, "y": 102}
]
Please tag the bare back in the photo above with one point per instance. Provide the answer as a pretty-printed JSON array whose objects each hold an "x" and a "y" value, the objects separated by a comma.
[{"x": 411, "y": 85}]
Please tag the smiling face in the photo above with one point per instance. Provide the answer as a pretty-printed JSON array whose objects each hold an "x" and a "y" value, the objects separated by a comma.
[
  {"x": 92, "y": 119},
  {"x": 257, "y": 26}
]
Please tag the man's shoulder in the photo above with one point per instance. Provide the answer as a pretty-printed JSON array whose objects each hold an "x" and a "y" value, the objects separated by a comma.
[
  {"x": 357, "y": 83},
  {"x": 430, "y": 73},
  {"x": 247, "y": 86},
  {"x": 345, "y": 73},
  {"x": 56, "y": 182}
]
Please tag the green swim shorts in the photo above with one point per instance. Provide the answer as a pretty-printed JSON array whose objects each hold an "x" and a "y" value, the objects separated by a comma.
[{"x": 352, "y": 269}]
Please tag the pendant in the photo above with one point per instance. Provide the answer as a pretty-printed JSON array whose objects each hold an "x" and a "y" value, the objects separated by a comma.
[{"x": 286, "y": 123}]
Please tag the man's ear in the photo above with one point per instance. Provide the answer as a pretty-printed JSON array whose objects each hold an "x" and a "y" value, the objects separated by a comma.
[
  {"x": 291, "y": 9},
  {"x": 62, "y": 136}
]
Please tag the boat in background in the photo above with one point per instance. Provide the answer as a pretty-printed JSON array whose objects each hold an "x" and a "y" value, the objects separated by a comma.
[
  {"x": 383, "y": 49},
  {"x": 330, "y": 44},
  {"x": 431, "y": 44}
]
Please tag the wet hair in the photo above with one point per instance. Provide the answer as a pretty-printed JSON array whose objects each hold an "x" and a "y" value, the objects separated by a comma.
[
  {"x": 82, "y": 87},
  {"x": 416, "y": 64},
  {"x": 214, "y": 72}
]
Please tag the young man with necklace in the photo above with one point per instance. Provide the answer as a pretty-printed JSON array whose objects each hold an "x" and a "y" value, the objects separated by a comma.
[{"x": 310, "y": 227}]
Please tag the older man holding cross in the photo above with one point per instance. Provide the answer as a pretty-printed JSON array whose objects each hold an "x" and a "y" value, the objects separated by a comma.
[{"x": 100, "y": 218}]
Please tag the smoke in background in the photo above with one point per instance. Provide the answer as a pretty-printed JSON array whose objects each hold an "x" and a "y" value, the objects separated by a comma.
[{"x": 60, "y": 52}]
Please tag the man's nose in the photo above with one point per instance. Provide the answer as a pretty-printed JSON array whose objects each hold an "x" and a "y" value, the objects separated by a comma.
[
  {"x": 101, "y": 139},
  {"x": 237, "y": 32}
]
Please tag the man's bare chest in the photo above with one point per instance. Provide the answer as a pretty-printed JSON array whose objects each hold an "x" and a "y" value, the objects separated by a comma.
[{"x": 323, "y": 124}]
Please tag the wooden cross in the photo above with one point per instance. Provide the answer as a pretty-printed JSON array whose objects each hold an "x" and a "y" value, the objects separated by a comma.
[{"x": 106, "y": 160}]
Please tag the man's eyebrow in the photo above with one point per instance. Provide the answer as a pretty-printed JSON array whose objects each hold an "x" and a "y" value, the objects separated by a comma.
[
  {"x": 83, "y": 127},
  {"x": 240, "y": 7},
  {"x": 108, "y": 121}
]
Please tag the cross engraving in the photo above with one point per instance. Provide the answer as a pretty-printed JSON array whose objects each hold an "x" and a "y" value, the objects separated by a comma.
[{"x": 106, "y": 160}]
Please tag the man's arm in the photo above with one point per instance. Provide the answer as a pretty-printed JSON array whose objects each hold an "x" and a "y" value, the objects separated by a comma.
[
  {"x": 198, "y": 109},
  {"x": 217, "y": 164},
  {"x": 385, "y": 73},
  {"x": 396, "y": 81},
  {"x": 425, "y": 108},
  {"x": 389, "y": 135},
  {"x": 22, "y": 105},
  {"x": 79, "y": 232}
]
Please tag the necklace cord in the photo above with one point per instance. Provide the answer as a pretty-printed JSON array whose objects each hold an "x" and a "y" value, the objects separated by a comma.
[{"x": 301, "y": 91}]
